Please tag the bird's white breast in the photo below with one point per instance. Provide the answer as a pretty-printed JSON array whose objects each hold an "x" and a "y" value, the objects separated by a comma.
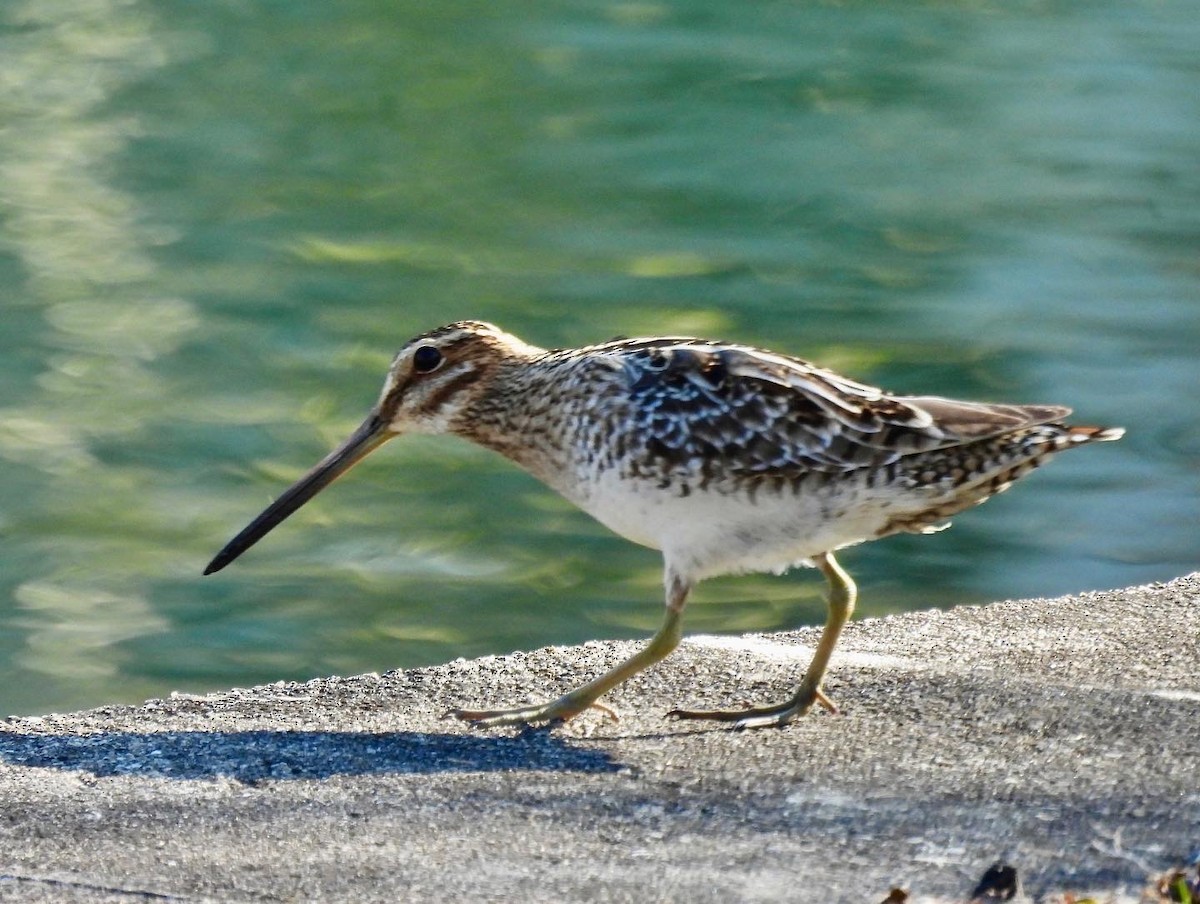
[{"x": 707, "y": 533}]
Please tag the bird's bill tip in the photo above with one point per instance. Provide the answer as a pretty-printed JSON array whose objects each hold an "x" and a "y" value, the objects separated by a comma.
[{"x": 219, "y": 561}]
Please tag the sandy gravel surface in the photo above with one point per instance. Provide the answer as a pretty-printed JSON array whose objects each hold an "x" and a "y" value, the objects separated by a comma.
[{"x": 1062, "y": 735}]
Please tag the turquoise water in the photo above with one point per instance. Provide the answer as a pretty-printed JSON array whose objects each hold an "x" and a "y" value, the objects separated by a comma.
[{"x": 218, "y": 221}]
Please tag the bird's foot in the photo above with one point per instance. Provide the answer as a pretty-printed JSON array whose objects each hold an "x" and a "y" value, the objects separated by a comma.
[
  {"x": 565, "y": 707},
  {"x": 775, "y": 716}
]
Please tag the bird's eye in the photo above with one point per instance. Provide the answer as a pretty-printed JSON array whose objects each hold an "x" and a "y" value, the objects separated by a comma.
[{"x": 426, "y": 359}]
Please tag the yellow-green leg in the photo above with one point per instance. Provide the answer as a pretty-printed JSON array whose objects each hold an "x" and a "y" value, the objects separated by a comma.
[
  {"x": 573, "y": 703},
  {"x": 842, "y": 594}
]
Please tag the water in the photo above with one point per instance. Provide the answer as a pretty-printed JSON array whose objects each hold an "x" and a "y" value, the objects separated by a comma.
[{"x": 218, "y": 221}]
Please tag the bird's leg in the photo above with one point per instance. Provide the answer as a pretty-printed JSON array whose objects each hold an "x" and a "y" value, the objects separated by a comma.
[
  {"x": 571, "y": 704},
  {"x": 842, "y": 594}
]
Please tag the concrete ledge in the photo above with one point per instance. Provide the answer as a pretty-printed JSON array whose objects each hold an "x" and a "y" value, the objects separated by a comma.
[{"x": 1062, "y": 735}]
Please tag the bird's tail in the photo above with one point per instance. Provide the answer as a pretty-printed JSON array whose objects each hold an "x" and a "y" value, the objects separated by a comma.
[
  {"x": 964, "y": 476},
  {"x": 1075, "y": 435}
]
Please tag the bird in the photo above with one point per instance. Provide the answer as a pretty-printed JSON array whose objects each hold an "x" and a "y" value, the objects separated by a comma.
[{"x": 726, "y": 458}]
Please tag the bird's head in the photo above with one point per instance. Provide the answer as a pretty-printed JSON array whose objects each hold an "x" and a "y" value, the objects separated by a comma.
[
  {"x": 430, "y": 388},
  {"x": 436, "y": 377}
]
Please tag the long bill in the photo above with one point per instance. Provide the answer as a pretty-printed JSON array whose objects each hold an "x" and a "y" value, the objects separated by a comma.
[{"x": 370, "y": 435}]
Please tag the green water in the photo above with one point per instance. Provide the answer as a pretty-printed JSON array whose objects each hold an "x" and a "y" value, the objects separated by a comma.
[{"x": 219, "y": 220}]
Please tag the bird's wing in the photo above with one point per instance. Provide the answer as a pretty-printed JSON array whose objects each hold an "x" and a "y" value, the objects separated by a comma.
[{"x": 746, "y": 411}]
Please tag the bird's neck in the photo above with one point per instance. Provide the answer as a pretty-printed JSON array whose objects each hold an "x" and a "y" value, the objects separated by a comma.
[{"x": 523, "y": 415}]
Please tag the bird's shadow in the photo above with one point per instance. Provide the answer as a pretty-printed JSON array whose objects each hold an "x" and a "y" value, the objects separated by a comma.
[{"x": 252, "y": 757}]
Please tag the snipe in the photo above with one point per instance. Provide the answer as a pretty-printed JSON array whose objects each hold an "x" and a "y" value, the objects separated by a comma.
[{"x": 724, "y": 457}]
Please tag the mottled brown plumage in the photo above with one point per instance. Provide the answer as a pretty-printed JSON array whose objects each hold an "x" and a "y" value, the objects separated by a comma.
[{"x": 725, "y": 457}]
